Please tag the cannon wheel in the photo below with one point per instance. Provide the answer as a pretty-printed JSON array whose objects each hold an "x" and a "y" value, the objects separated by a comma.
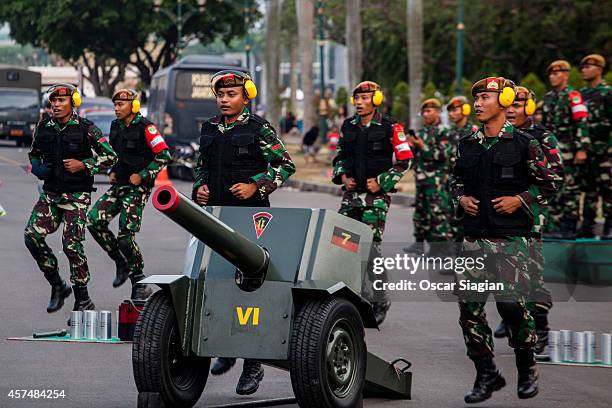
[
  {"x": 157, "y": 358},
  {"x": 328, "y": 354}
]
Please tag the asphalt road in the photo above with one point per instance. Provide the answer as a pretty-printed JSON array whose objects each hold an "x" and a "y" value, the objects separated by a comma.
[{"x": 98, "y": 375}]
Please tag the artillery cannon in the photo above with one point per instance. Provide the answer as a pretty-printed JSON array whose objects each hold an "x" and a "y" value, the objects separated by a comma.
[{"x": 279, "y": 285}]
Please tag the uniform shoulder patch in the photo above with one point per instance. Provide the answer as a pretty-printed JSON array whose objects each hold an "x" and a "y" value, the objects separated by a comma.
[
  {"x": 258, "y": 119},
  {"x": 524, "y": 134}
]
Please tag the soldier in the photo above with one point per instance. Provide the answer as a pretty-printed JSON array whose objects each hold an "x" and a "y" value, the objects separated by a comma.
[
  {"x": 519, "y": 114},
  {"x": 459, "y": 112},
  {"x": 364, "y": 166},
  {"x": 491, "y": 184},
  {"x": 62, "y": 156},
  {"x": 598, "y": 97},
  {"x": 564, "y": 114},
  {"x": 241, "y": 163},
  {"x": 142, "y": 154},
  {"x": 433, "y": 153}
]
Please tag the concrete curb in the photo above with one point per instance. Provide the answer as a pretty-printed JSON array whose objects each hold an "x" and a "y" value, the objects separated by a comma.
[{"x": 406, "y": 200}]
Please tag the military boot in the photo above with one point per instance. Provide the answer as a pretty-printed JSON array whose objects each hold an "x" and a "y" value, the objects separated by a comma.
[
  {"x": 59, "y": 291},
  {"x": 82, "y": 301},
  {"x": 607, "y": 231},
  {"x": 417, "y": 248},
  {"x": 380, "y": 311},
  {"x": 488, "y": 380},
  {"x": 568, "y": 229},
  {"x": 527, "y": 386},
  {"x": 501, "y": 331},
  {"x": 540, "y": 316},
  {"x": 139, "y": 291},
  {"x": 252, "y": 374},
  {"x": 222, "y": 365},
  {"x": 122, "y": 271},
  {"x": 587, "y": 229}
]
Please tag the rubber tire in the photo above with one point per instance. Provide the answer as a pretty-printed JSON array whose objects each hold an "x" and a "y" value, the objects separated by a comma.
[
  {"x": 149, "y": 355},
  {"x": 307, "y": 360}
]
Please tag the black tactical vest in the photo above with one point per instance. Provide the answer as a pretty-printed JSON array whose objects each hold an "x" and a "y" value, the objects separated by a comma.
[
  {"x": 133, "y": 151},
  {"x": 487, "y": 174},
  {"x": 58, "y": 145},
  {"x": 368, "y": 151},
  {"x": 230, "y": 158}
]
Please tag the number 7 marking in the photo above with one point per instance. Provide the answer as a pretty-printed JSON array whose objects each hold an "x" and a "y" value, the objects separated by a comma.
[{"x": 346, "y": 238}]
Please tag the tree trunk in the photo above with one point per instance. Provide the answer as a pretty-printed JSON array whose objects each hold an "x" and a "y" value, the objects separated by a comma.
[
  {"x": 273, "y": 13},
  {"x": 293, "y": 78},
  {"x": 415, "y": 59},
  {"x": 305, "y": 17},
  {"x": 353, "y": 43}
]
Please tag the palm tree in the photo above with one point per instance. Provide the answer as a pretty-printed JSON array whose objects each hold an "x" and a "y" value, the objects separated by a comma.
[
  {"x": 353, "y": 41},
  {"x": 305, "y": 18},
  {"x": 273, "y": 14},
  {"x": 415, "y": 58}
]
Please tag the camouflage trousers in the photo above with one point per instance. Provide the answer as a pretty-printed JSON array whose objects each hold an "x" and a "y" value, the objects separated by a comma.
[
  {"x": 370, "y": 209},
  {"x": 431, "y": 214},
  {"x": 49, "y": 212},
  {"x": 597, "y": 182},
  {"x": 505, "y": 262},
  {"x": 128, "y": 202},
  {"x": 565, "y": 205}
]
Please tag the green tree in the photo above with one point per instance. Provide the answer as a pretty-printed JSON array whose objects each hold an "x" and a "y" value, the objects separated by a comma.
[
  {"x": 608, "y": 78},
  {"x": 575, "y": 80},
  {"x": 341, "y": 96},
  {"x": 430, "y": 91},
  {"x": 466, "y": 88},
  {"x": 401, "y": 102},
  {"x": 107, "y": 36},
  {"x": 533, "y": 82}
]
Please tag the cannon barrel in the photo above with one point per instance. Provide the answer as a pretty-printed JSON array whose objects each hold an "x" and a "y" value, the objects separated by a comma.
[{"x": 250, "y": 259}]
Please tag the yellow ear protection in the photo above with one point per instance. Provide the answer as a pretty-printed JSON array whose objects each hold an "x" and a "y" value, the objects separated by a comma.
[
  {"x": 530, "y": 105},
  {"x": 133, "y": 98},
  {"x": 250, "y": 90},
  {"x": 377, "y": 98},
  {"x": 75, "y": 96},
  {"x": 527, "y": 95},
  {"x": 466, "y": 108},
  {"x": 507, "y": 94}
]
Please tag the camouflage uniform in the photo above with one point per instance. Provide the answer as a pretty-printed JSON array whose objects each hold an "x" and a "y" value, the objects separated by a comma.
[
  {"x": 280, "y": 165},
  {"x": 598, "y": 180},
  {"x": 564, "y": 114},
  {"x": 506, "y": 258},
  {"x": 454, "y": 135},
  {"x": 540, "y": 299},
  {"x": 369, "y": 208},
  {"x": 432, "y": 165},
  {"x": 127, "y": 201},
  {"x": 70, "y": 207}
]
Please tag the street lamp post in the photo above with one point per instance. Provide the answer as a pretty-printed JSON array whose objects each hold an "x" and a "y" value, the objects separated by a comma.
[
  {"x": 247, "y": 46},
  {"x": 322, "y": 119},
  {"x": 179, "y": 18},
  {"x": 459, "y": 52}
]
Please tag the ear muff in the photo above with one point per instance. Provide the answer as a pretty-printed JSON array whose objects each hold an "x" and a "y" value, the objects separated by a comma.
[
  {"x": 250, "y": 89},
  {"x": 466, "y": 109},
  {"x": 135, "y": 106},
  {"x": 530, "y": 107},
  {"x": 352, "y": 100},
  {"x": 76, "y": 99},
  {"x": 377, "y": 98},
  {"x": 506, "y": 96}
]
